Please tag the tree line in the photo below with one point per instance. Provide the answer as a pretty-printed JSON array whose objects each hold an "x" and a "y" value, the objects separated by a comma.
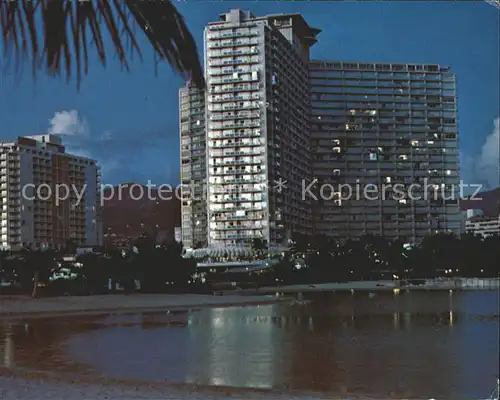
[
  {"x": 59, "y": 272},
  {"x": 324, "y": 259},
  {"x": 150, "y": 268}
]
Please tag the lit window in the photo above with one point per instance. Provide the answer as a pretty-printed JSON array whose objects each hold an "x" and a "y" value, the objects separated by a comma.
[{"x": 373, "y": 156}]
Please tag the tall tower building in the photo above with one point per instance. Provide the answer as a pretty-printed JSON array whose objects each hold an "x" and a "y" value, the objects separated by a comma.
[
  {"x": 193, "y": 167},
  {"x": 273, "y": 122},
  {"x": 257, "y": 127},
  {"x": 48, "y": 196},
  {"x": 393, "y": 127}
]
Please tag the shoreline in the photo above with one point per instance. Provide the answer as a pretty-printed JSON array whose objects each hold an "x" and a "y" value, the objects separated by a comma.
[
  {"x": 17, "y": 307},
  {"x": 373, "y": 286},
  {"x": 28, "y": 385}
]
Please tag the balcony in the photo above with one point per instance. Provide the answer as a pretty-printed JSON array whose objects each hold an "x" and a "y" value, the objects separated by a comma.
[
  {"x": 238, "y": 61},
  {"x": 236, "y": 228},
  {"x": 234, "y": 43},
  {"x": 237, "y": 199},
  {"x": 218, "y": 36},
  {"x": 235, "y": 144},
  {"x": 234, "y": 134},
  {"x": 233, "y": 53},
  {"x": 237, "y": 236},
  {"x": 253, "y": 207},
  {"x": 230, "y": 172},
  {"x": 247, "y": 115},
  {"x": 248, "y": 217},
  {"x": 238, "y": 162},
  {"x": 228, "y": 189},
  {"x": 255, "y": 124},
  {"x": 227, "y": 98},
  {"x": 233, "y": 80}
]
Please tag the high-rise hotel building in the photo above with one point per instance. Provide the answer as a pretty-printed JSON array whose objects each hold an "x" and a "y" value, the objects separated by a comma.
[
  {"x": 31, "y": 170},
  {"x": 274, "y": 122},
  {"x": 193, "y": 167},
  {"x": 378, "y": 126},
  {"x": 257, "y": 127}
]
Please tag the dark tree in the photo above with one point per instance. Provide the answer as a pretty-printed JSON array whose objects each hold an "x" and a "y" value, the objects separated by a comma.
[{"x": 70, "y": 29}]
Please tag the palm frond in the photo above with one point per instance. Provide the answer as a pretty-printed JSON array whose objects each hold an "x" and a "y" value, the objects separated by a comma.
[{"x": 70, "y": 27}]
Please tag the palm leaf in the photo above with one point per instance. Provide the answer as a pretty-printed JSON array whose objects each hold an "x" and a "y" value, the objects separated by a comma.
[{"x": 70, "y": 27}]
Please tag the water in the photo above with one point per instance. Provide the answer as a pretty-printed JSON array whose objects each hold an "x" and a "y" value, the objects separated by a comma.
[{"x": 415, "y": 344}]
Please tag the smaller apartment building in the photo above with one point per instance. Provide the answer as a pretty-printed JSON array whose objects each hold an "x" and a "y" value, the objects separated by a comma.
[
  {"x": 31, "y": 170},
  {"x": 483, "y": 226}
]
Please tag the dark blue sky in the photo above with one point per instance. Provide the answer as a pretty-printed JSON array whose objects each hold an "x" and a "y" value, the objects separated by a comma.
[{"x": 130, "y": 120}]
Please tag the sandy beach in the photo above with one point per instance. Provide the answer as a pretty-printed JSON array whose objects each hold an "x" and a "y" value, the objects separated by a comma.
[
  {"x": 379, "y": 286},
  {"x": 24, "y": 306},
  {"x": 16, "y": 388}
]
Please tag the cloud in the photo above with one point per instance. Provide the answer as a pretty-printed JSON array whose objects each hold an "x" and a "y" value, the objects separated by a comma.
[
  {"x": 68, "y": 123},
  {"x": 488, "y": 164},
  {"x": 132, "y": 155},
  {"x": 484, "y": 168},
  {"x": 74, "y": 129},
  {"x": 77, "y": 138}
]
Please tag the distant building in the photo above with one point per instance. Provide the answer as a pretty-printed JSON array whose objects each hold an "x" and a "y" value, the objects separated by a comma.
[
  {"x": 178, "y": 234},
  {"x": 470, "y": 213},
  {"x": 483, "y": 226},
  {"x": 31, "y": 168},
  {"x": 488, "y": 202},
  {"x": 467, "y": 214}
]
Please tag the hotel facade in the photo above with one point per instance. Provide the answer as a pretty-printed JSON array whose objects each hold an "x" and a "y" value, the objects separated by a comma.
[
  {"x": 31, "y": 168},
  {"x": 275, "y": 121},
  {"x": 391, "y": 127},
  {"x": 257, "y": 129}
]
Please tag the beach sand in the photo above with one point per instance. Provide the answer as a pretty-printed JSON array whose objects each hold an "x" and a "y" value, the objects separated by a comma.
[
  {"x": 24, "y": 306},
  {"x": 38, "y": 388}
]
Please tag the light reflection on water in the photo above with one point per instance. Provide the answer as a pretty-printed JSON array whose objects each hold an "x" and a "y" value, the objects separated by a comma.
[{"x": 417, "y": 344}]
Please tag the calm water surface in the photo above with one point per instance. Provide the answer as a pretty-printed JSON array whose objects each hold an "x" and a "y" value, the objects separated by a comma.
[{"x": 415, "y": 344}]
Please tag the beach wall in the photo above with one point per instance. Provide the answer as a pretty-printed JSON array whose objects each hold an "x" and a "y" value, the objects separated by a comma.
[
  {"x": 479, "y": 283},
  {"x": 464, "y": 283}
]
